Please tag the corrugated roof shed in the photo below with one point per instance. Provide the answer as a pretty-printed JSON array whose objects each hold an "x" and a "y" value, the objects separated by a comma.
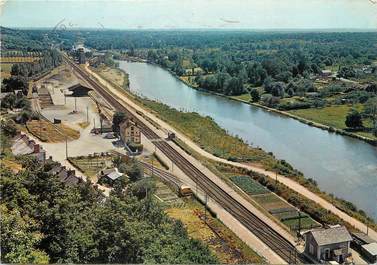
[{"x": 371, "y": 248}]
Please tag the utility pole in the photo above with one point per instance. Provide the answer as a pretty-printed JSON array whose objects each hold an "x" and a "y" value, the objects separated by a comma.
[
  {"x": 75, "y": 105},
  {"x": 87, "y": 114},
  {"x": 276, "y": 181},
  {"x": 299, "y": 221},
  {"x": 94, "y": 123},
  {"x": 205, "y": 208},
  {"x": 66, "y": 147}
]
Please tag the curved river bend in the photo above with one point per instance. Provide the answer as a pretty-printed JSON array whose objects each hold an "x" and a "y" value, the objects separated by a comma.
[{"x": 341, "y": 165}]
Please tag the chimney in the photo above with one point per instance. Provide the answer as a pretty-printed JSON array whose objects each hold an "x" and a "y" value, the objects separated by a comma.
[{"x": 71, "y": 173}]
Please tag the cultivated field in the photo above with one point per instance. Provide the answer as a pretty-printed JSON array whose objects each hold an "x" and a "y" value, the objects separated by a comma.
[
  {"x": 91, "y": 165},
  {"x": 282, "y": 210}
]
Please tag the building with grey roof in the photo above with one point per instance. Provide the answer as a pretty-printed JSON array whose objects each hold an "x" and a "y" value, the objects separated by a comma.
[{"x": 331, "y": 244}]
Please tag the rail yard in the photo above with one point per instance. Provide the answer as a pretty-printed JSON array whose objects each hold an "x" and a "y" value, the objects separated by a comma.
[{"x": 264, "y": 232}]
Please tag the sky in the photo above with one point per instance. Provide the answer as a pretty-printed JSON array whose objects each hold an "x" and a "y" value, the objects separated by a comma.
[{"x": 191, "y": 14}]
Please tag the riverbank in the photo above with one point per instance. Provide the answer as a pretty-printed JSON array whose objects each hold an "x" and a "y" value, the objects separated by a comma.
[
  {"x": 308, "y": 122},
  {"x": 212, "y": 138},
  {"x": 301, "y": 190}
]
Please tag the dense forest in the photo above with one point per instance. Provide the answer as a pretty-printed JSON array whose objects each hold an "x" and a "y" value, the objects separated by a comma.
[
  {"x": 46, "y": 221},
  {"x": 229, "y": 62},
  {"x": 282, "y": 70}
]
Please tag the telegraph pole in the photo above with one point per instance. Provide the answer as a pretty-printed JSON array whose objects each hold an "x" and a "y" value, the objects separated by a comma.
[
  {"x": 66, "y": 147},
  {"x": 276, "y": 181},
  {"x": 87, "y": 114},
  {"x": 75, "y": 105},
  {"x": 205, "y": 208}
]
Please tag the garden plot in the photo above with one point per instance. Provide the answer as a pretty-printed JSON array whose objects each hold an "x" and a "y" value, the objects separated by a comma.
[
  {"x": 249, "y": 185},
  {"x": 92, "y": 164},
  {"x": 166, "y": 196},
  {"x": 279, "y": 208}
]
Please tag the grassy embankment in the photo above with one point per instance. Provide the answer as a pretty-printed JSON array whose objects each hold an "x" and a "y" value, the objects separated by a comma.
[
  {"x": 333, "y": 116},
  {"x": 211, "y": 137},
  {"x": 116, "y": 75},
  {"x": 227, "y": 247}
]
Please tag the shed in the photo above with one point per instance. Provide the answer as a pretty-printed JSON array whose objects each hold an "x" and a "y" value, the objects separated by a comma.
[
  {"x": 369, "y": 251},
  {"x": 110, "y": 174},
  {"x": 330, "y": 244}
]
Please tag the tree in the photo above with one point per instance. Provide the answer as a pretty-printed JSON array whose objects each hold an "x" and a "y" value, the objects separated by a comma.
[
  {"x": 255, "y": 97},
  {"x": 372, "y": 88},
  {"x": 278, "y": 89},
  {"x": 118, "y": 118},
  {"x": 20, "y": 237},
  {"x": 371, "y": 111},
  {"x": 346, "y": 72},
  {"x": 132, "y": 169},
  {"x": 353, "y": 119}
]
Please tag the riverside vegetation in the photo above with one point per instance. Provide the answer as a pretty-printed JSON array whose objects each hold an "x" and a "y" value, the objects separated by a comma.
[{"x": 212, "y": 138}]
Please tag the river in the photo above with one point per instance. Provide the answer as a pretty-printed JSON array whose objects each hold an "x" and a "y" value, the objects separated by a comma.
[{"x": 341, "y": 165}]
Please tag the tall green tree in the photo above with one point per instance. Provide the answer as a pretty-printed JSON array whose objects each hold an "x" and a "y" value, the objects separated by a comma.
[{"x": 354, "y": 119}]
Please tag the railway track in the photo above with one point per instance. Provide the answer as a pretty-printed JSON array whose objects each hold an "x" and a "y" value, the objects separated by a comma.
[{"x": 258, "y": 227}]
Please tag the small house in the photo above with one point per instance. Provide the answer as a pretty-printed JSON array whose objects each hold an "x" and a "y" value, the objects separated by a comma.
[
  {"x": 331, "y": 244},
  {"x": 109, "y": 175},
  {"x": 129, "y": 132},
  {"x": 326, "y": 73}
]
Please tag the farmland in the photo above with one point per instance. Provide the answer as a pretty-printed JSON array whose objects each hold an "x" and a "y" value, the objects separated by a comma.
[
  {"x": 272, "y": 203},
  {"x": 91, "y": 165},
  {"x": 18, "y": 59}
]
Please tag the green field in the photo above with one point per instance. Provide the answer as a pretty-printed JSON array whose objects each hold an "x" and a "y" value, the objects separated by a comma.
[
  {"x": 306, "y": 223},
  {"x": 249, "y": 185},
  {"x": 333, "y": 116},
  {"x": 245, "y": 97},
  {"x": 209, "y": 135}
]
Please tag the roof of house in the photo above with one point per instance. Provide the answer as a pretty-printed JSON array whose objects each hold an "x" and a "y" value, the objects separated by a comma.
[
  {"x": 331, "y": 235},
  {"x": 127, "y": 123},
  {"x": 112, "y": 173},
  {"x": 371, "y": 248}
]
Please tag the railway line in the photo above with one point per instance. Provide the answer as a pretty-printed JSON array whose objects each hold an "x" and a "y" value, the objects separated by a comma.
[{"x": 258, "y": 227}]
